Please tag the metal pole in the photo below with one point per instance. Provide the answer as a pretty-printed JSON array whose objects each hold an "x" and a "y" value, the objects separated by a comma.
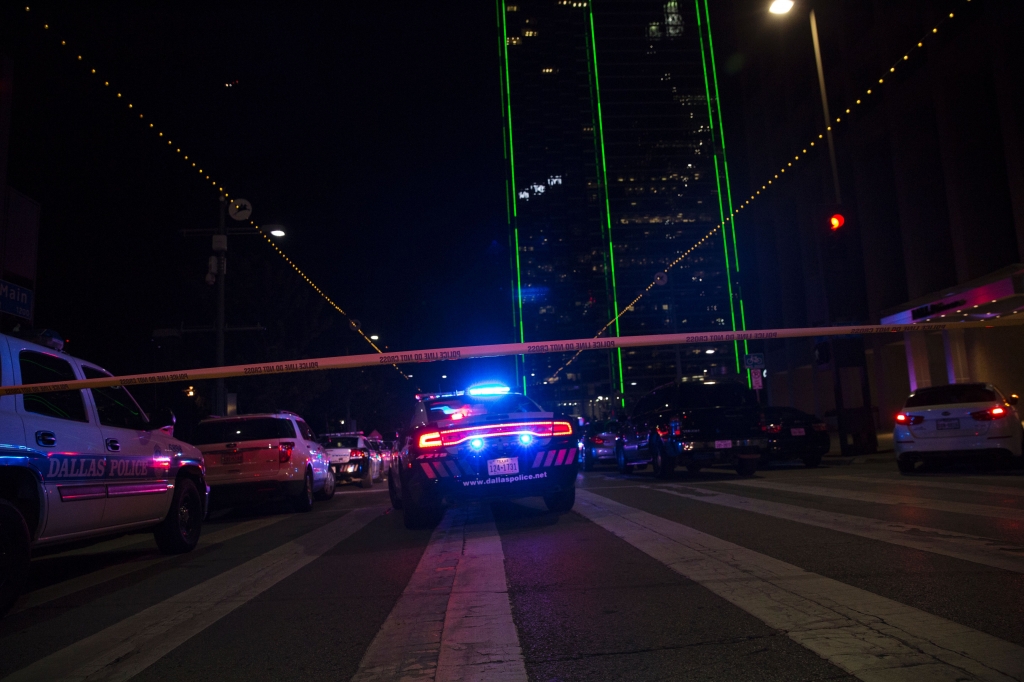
[
  {"x": 221, "y": 395},
  {"x": 824, "y": 108}
]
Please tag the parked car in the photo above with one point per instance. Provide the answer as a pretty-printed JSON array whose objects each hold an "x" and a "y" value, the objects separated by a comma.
[
  {"x": 695, "y": 425},
  {"x": 792, "y": 434},
  {"x": 83, "y": 464},
  {"x": 257, "y": 456},
  {"x": 941, "y": 422},
  {"x": 599, "y": 439},
  {"x": 353, "y": 458}
]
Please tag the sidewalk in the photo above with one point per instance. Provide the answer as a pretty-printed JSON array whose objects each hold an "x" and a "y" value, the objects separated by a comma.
[{"x": 885, "y": 451}]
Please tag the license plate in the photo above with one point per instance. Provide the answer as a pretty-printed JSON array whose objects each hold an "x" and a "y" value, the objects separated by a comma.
[
  {"x": 235, "y": 458},
  {"x": 723, "y": 444},
  {"x": 502, "y": 466},
  {"x": 947, "y": 424},
  {"x": 797, "y": 432}
]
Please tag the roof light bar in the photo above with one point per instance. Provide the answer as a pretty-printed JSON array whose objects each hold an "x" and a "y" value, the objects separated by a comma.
[{"x": 489, "y": 389}]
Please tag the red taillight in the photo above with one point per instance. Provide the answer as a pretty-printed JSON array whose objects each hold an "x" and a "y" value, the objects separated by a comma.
[
  {"x": 457, "y": 436},
  {"x": 597, "y": 440},
  {"x": 904, "y": 418},
  {"x": 901, "y": 418},
  {"x": 772, "y": 428},
  {"x": 357, "y": 453},
  {"x": 284, "y": 452},
  {"x": 561, "y": 429},
  {"x": 431, "y": 440},
  {"x": 990, "y": 414},
  {"x": 819, "y": 426}
]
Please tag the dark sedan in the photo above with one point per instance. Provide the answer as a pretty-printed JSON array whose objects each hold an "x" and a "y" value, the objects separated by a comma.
[{"x": 793, "y": 434}]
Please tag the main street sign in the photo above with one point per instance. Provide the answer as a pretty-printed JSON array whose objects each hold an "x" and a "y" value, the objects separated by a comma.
[{"x": 15, "y": 300}]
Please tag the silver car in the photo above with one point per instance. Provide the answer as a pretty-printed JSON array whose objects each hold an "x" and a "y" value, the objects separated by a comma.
[{"x": 599, "y": 443}]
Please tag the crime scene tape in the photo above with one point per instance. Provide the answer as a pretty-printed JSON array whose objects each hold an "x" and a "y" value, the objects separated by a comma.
[{"x": 496, "y": 350}]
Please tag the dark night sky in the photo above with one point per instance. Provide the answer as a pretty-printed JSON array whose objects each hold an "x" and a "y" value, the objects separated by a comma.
[{"x": 371, "y": 130}]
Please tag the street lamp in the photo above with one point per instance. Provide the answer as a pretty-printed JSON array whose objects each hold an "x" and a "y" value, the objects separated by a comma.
[
  {"x": 783, "y": 7},
  {"x": 374, "y": 337},
  {"x": 275, "y": 230}
]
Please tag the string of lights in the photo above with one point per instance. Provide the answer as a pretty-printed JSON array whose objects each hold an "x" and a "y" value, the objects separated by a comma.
[
  {"x": 193, "y": 165},
  {"x": 919, "y": 46}
]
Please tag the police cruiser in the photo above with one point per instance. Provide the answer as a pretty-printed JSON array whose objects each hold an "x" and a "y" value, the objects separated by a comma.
[
  {"x": 86, "y": 463},
  {"x": 483, "y": 443}
]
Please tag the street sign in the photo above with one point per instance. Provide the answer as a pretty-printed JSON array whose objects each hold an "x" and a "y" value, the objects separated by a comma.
[
  {"x": 240, "y": 209},
  {"x": 15, "y": 300},
  {"x": 754, "y": 361},
  {"x": 756, "y": 381}
]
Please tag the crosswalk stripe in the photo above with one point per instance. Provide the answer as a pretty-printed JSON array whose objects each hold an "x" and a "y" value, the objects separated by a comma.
[
  {"x": 454, "y": 619},
  {"x": 971, "y": 548},
  {"x": 943, "y": 485},
  {"x": 869, "y": 636},
  {"x": 126, "y": 648},
  {"x": 83, "y": 582},
  {"x": 885, "y": 498}
]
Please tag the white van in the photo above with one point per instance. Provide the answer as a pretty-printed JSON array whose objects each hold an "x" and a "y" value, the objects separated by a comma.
[{"x": 86, "y": 463}]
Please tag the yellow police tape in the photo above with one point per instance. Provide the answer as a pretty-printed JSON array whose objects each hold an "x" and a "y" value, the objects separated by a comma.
[{"x": 496, "y": 350}]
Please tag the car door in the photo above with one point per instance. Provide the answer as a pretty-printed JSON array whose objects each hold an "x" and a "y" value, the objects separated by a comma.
[
  {"x": 138, "y": 459},
  {"x": 312, "y": 449},
  {"x": 58, "y": 424}
]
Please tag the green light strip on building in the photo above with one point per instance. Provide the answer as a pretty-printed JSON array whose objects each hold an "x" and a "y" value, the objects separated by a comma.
[
  {"x": 607, "y": 201},
  {"x": 507, "y": 97}
]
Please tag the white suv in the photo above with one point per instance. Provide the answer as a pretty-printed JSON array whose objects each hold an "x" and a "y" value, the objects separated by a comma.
[
  {"x": 85, "y": 463},
  {"x": 353, "y": 458},
  {"x": 255, "y": 455}
]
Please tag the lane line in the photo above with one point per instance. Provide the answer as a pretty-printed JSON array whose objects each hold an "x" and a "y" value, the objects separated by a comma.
[
  {"x": 967, "y": 487},
  {"x": 126, "y": 648},
  {"x": 971, "y": 548},
  {"x": 885, "y": 498},
  {"x": 454, "y": 619},
  {"x": 867, "y": 635},
  {"x": 83, "y": 582}
]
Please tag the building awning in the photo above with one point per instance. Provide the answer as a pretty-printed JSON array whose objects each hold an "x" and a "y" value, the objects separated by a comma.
[{"x": 994, "y": 295}]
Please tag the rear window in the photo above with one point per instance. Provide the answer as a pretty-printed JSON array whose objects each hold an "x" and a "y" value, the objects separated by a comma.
[
  {"x": 334, "y": 442},
  {"x": 234, "y": 430},
  {"x": 441, "y": 409},
  {"x": 952, "y": 394}
]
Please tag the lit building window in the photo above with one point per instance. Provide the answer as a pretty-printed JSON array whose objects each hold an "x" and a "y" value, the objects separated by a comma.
[{"x": 530, "y": 33}]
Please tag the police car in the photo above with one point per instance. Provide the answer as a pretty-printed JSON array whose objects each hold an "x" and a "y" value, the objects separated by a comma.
[
  {"x": 85, "y": 463},
  {"x": 483, "y": 443},
  {"x": 265, "y": 455},
  {"x": 353, "y": 457}
]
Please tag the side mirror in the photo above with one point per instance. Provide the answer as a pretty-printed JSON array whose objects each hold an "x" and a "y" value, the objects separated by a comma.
[
  {"x": 162, "y": 418},
  {"x": 1014, "y": 399}
]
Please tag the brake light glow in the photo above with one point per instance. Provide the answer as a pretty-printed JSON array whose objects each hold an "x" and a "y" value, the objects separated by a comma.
[
  {"x": 597, "y": 440},
  {"x": 990, "y": 414},
  {"x": 284, "y": 451},
  {"x": 772, "y": 428},
  {"x": 904, "y": 418},
  {"x": 819, "y": 426},
  {"x": 457, "y": 436}
]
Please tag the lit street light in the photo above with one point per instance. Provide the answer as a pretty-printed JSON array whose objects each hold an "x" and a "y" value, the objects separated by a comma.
[
  {"x": 374, "y": 337},
  {"x": 275, "y": 230},
  {"x": 781, "y": 6}
]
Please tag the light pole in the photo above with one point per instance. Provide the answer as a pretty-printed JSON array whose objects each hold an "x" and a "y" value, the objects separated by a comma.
[{"x": 783, "y": 7}]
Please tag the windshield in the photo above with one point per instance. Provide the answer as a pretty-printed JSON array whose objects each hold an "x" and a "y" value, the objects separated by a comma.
[
  {"x": 235, "y": 430},
  {"x": 460, "y": 407},
  {"x": 334, "y": 442},
  {"x": 952, "y": 394}
]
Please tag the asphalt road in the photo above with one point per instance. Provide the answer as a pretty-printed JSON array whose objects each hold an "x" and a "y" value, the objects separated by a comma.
[{"x": 840, "y": 572}]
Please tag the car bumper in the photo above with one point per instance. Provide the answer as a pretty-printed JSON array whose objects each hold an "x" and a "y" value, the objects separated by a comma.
[
  {"x": 710, "y": 453},
  {"x": 351, "y": 469},
  {"x": 921, "y": 448},
  {"x": 540, "y": 473},
  {"x": 601, "y": 453}
]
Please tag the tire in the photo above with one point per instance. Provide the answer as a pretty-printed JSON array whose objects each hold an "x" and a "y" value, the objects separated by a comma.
[
  {"x": 15, "y": 552},
  {"x": 906, "y": 468},
  {"x": 746, "y": 467},
  {"x": 303, "y": 502},
  {"x": 620, "y": 457},
  {"x": 396, "y": 501},
  {"x": 367, "y": 480},
  {"x": 662, "y": 463},
  {"x": 588, "y": 459},
  {"x": 812, "y": 461},
  {"x": 179, "y": 532},
  {"x": 693, "y": 468},
  {"x": 425, "y": 512},
  {"x": 327, "y": 492},
  {"x": 561, "y": 501}
]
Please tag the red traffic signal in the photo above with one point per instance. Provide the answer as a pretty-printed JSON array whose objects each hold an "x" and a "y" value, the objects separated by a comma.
[{"x": 836, "y": 221}]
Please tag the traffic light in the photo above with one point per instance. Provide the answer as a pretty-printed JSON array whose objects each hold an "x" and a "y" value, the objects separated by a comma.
[{"x": 836, "y": 221}]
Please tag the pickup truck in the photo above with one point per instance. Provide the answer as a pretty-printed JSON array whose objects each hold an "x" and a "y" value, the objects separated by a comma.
[{"x": 695, "y": 425}]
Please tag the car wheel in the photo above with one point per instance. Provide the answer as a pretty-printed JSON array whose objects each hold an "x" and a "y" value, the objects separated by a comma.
[
  {"x": 906, "y": 466},
  {"x": 179, "y": 532},
  {"x": 15, "y": 552},
  {"x": 812, "y": 461},
  {"x": 746, "y": 467},
  {"x": 693, "y": 468},
  {"x": 330, "y": 483},
  {"x": 662, "y": 463},
  {"x": 424, "y": 512},
  {"x": 396, "y": 501},
  {"x": 620, "y": 456},
  {"x": 367, "y": 480},
  {"x": 562, "y": 501},
  {"x": 303, "y": 502},
  {"x": 588, "y": 459}
]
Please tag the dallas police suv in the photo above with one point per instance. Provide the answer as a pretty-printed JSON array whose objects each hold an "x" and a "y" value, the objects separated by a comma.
[
  {"x": 484, "y": 443},
  {"x": 86, "y": 463}
]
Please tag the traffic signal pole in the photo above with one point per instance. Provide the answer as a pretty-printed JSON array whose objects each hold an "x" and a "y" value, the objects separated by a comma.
[
  {"x": 824, "y": 108},
  {"x": 220, "y": 244}
]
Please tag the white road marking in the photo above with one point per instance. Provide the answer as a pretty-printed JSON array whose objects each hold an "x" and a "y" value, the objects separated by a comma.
[
  {"x": 971, "y": 548},
  {"x": 885, "y": 498},
  {"x": 83, "y": 582},
  {"x": 867, "y": 635},
  {"x": 967, "y": 487},
  {"x": 124, "y": 649},
  {"x": 454, "y": 619}
]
